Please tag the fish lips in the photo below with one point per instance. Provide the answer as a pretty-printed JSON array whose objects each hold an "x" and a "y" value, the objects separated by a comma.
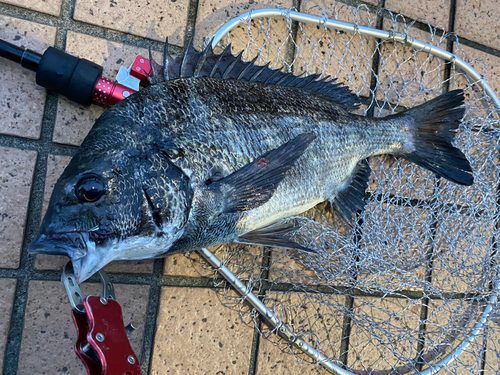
[{"x": 73, "y": 244}]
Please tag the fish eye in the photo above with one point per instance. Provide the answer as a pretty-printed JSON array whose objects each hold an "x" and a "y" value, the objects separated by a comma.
[{"x": 89, "y": 189}]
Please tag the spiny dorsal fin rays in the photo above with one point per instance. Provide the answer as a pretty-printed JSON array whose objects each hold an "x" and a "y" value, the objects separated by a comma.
[
  {"x": 223, "y": 57},
  {"x": 271, "y": 77},
  {"x": 154, "y": 77},
  {"x": 247, "y": 67},
  {"x": 306, "y": 81},
  {"x": 259, "y": 72},
  {"x": 189, "y": 61},
  {"x": 203, "y": 58},
  {"x": 167, "y": 62},
  {"x": 206, "y": 63},
  {"x": 229, "y": 69}
]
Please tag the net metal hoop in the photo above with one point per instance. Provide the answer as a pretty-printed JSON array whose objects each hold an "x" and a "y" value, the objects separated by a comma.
[
  {"x": 344, "y": 26},
  {"x": 396, "y": 37}
]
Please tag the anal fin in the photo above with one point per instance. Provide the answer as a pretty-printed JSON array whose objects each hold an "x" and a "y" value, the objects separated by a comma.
[
  {"x": 273, "y": 235},
  {"x": 352, "y": 197}
]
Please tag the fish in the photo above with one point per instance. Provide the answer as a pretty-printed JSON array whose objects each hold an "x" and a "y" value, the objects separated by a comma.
[{"x": 219, "y": 150}]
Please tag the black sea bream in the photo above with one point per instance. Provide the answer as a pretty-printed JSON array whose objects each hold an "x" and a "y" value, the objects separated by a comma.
[{"x": 217, "y": 150}]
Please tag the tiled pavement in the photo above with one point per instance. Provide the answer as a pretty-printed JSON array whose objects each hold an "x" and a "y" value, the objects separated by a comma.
[{"x": 183, "y": 326}]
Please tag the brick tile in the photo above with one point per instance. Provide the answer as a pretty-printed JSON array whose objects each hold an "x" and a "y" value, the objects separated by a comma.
[
  {"x": 150, "y": 19},
  {"x": 324, "y": 321},
  {"x": 73, "y": 121},
  {"x": 492, "y": 357},
  {"x": 21, "y": 99},
  {"x": 492, "y": 360},
  {"x": 403, "y": 73},
  {"x": 342, "y": 55},
  {"x": 55, "y": 167},
  {"x": 46, "y": 6},
  {"x": 288, "y": 266},
  {"x": 442, "y": 316},
  {"x": 400, "y": 178},
  {"x": 485, "y": 64},
  {"x": 16, "y": 174},
  {"x": 240, "y": 259},
  {"x": 403, "y": 258},
  {"x": 393, "y": 318},
  {"x": 481, "y": 151},
  {"x": 52, "y": 7},
  {"x": 213, "y": 14},
  {"x": 196, "y": 334},
  {"x": 49, "y": 333},
  {"x": 293, "y": 266},
  {"x": 7, "y": 290},
  {"x": 462, "y": 243},
  {"x": 187, "y": 265},
  {"x": 435, "y": 12},
  {"x": 477, "y": 20}
]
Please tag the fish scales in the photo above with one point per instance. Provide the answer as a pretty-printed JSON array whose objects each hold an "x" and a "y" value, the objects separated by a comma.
[
  {"x": 231, "y": 127},
  {"x": 200, "y": 161}
]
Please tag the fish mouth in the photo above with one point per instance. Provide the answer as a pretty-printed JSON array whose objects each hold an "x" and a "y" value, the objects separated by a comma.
[
  {"x": 72, "y": 244},
  {"x": 75, "y": 245}
]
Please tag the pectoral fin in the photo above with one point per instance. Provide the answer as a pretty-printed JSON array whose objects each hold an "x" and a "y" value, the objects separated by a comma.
[
  {"x": 255, "y": 183},
  {"x": 273, "y": 236}
]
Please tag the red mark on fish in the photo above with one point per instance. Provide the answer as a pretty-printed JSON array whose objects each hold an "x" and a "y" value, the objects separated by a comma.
[{"x": 262, "y": 162}]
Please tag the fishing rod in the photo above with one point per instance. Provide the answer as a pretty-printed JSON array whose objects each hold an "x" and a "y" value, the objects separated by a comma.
[{"x": 80, "y": 80}]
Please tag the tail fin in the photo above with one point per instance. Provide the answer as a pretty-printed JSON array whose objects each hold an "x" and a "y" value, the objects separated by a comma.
[{"x": 434, "y": 125}]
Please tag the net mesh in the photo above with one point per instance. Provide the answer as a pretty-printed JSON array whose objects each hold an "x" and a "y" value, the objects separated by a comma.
[{"x": 404, "y": 285}]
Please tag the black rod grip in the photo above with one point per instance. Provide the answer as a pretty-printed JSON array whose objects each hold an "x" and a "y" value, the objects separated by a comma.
[
  {"x": 26, "y": 57},
  {"x": 68, "y": 75}
]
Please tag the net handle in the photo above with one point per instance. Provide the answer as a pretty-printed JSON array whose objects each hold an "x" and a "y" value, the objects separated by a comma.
[
  {"x": 257, "y": 304},
  {"x": 289, "y": 336},
  {"x": 363, "y": 30}
]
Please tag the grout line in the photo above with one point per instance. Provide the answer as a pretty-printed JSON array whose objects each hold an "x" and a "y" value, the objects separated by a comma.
[
  {"x": 449, "y": 45},
  {"x": 264, "y": 276},
  {"x": 254, "y": 351},
  {"x": 206, "y": 282},
  {"x": 191, "y": 22},
  {"x": 484, "y": 350},
  {"x": 27, "y": 261},
  {"x": 349, "y": 301},
  {"x": 15, "y": 333},
  {"x": 346, "y": 332},
  {"x": 37, "y": 145},
  {"x": 290, "y": 49},
  {"x": 345, "y": 342},
  {"x": 424, "y": 310},
  {"x": 376, "y": 62},
  {"x": 33, "y": 219},
  {"x": 151, "y": 317},
  {"x": 44, "y": 146}
]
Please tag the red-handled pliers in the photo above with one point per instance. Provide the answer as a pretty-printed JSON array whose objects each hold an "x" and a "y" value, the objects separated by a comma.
[{"x": 102, "y": 343}]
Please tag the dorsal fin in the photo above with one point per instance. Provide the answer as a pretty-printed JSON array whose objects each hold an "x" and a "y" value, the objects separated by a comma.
[{"x": 207, "y": 63}]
